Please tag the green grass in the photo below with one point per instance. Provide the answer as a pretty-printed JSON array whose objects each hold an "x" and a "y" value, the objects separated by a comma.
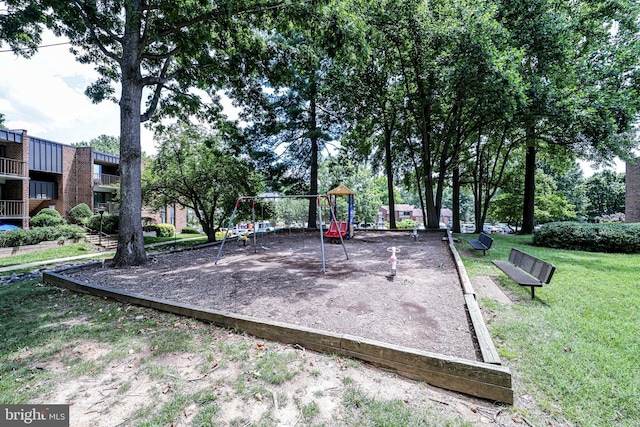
[
  {"x": 62, "y": 251},
  {"x": 363, "y": 410},
  {"x": 577, "y": 345},
  {"x": 197, "y": 238}
]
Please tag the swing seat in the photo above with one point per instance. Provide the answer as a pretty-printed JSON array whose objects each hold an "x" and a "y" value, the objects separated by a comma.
[{"x": 335, "y": 231}]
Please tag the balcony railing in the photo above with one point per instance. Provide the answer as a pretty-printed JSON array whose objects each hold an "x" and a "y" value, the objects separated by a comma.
[
  {"x": 13, "y": 167},
  {"x": 105, "y": 179},
  {"x": 12, "y": 209}
]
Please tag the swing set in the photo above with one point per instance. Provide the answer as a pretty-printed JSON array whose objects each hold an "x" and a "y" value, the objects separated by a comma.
[{"x": 337, "y": 230}]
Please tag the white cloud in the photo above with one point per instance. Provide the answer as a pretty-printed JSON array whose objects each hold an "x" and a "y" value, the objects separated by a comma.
[{"x": 45, "y": 96}]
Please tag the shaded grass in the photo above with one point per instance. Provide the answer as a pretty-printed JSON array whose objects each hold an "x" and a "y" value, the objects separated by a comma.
[{"x": 577, "y": 345}]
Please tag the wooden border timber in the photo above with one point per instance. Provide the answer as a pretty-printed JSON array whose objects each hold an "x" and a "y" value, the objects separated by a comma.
[
  {"x": 487, "y": 349},
  {"x": 478, "y": 379}
]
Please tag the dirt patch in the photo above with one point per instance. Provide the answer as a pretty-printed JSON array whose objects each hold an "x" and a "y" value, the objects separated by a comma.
[{"x": 280, "y": 278}]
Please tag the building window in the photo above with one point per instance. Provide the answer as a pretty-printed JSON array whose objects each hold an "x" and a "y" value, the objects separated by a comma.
[
  {"x": 172, "y": 214},
  {"x": 43, "y": 190}
]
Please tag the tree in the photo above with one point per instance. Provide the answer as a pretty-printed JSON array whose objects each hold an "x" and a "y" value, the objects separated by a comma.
[
  {"x": 292, "y": 122},
  {"x": 158, "y": 49},
  {"x": 1, "y": 120},
  {"x": 193, "y": 169},
  {"x": 579, "y": 72},
  {"x": 605, "y": 194},
  {"x": 104, "y": 143},
  {"x": 551, "y": 204}
]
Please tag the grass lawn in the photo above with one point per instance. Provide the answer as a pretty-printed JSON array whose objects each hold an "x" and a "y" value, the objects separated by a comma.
[
  {"x": 576, "y": 347},
  {"x": 178, "y": 239},
  {"x": 63, "y": 251}
]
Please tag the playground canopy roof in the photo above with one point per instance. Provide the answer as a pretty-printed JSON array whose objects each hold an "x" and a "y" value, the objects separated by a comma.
[{"x": 341, "y": 190}]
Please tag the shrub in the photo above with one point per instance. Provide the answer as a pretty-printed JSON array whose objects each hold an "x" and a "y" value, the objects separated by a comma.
[
  {"x": 110, "y": 223},
  {"x": 80, "y": 214},
  {"x": 40, "y": 234},
  {"x": 47, "y": 218},
  {"x": 406, "y": 224},
  {"x": 162, "y": 230},
  {"x": 611, "y": 238},
  {"x": 165, "y": 230},
  {"x": 190, "y": 230}
]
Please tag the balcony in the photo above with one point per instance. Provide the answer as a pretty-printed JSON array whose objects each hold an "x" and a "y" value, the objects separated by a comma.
[
  {"x": 105, "y": 179},
  {"x": 13, "y": 168},
  {"x": 13, "y": 209}
]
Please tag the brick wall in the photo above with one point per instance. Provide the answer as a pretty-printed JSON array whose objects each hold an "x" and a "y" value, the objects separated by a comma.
[
  {"x": 632, "y": 196},
  {"x": 77, "y": 178}
]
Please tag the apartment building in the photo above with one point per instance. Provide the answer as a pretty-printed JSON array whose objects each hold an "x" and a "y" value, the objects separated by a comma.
[{"x": 36, "y": 174}]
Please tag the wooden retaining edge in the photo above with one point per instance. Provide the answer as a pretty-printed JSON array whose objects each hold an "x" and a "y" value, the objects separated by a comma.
[
  {"x": 487, "y": 348},
  {"x": 478, "y": 379}
]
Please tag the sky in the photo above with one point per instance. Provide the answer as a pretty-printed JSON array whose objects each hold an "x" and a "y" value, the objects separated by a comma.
[{"x": 44, "y": 95}]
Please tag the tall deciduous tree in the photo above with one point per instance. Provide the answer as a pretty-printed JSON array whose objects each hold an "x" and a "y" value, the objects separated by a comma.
[
  {"x": 157, "y": 50},
  {"x": 194, "y": 169},
  {"x": 579, "y": 72}
]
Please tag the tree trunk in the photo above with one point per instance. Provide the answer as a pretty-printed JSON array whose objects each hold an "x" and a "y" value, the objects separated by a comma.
[
  {"x": 456, "y": 200},
  {"x": 389, "y": 172},
  {"x": 529, "y": 191},
  {"x": 130, "y": 238},
  {"x": 313, "y": 185}
]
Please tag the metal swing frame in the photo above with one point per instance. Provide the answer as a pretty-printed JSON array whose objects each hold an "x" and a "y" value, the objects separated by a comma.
[{"x": 318, "y": 197}]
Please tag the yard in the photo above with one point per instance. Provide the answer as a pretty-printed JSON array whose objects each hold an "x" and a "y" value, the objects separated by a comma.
[{"x": 573, "y": 352}]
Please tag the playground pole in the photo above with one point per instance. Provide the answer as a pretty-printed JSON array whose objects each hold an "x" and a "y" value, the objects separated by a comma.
[{"x": 224, "y": 239}]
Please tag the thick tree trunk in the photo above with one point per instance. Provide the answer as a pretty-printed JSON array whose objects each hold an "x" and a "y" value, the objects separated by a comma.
[
  {"x": 389, "y": 172},
  {"x": 456, "y": 200},
  {"x": 529, "y": 191},
  {"x": 130, "y": 238}
]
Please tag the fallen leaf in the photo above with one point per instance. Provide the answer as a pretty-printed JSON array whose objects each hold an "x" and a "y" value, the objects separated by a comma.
[
  {"x": 474, "y": 410},
  {"x": 516, "y": 419},
  {"x": 260, "y": 346}
]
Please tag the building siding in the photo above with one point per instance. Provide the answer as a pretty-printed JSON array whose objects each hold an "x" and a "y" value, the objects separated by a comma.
[{"x": 632, "y": 194}]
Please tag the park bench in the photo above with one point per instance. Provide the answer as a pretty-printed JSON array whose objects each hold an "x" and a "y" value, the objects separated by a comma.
[
  {"x": 482, "y": 244},
  {"x": 526, "y": 270}
]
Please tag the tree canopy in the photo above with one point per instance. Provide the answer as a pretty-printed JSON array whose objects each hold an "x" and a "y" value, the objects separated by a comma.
[
  {"x": 193, "y": 168},
  {"x": 472, "y": 96}
]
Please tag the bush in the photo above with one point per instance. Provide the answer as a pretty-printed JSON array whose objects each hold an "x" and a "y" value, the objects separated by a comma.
[
  {"x": 190, "y": 230},
  {"x": 80, "y": 214},
  {"x": 162, "y": 230},
  {"x": 406, "y": 224},
  {"x": 40, "y": 234},
  {"x": 610, "y": 238},
  {"x": 47, "y": 218},
  {"x": 110, "y": 223}
]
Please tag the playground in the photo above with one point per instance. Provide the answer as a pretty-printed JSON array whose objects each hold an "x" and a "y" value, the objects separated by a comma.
[{"x": 280, "y": 279}]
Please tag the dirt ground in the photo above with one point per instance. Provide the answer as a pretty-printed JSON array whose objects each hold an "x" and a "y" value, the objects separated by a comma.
[{"x": 280, "y": 278}]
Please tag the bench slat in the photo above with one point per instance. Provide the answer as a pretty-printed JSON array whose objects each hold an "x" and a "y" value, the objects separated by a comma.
[
  {"x": 526, "y": 270},
  {"x": 516, "y": 274}
]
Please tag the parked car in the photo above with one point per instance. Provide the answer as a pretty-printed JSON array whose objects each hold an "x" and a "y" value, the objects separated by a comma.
[
  {"x": 8, "y": 227},
  {"x": 468, "y": 228}
]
